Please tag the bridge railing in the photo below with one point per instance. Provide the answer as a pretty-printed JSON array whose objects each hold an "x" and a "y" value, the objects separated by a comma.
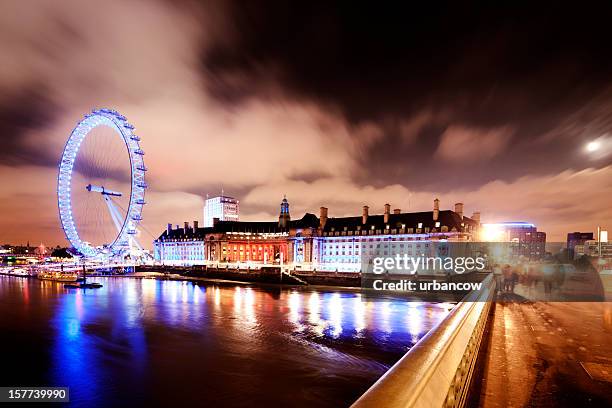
[{"x": 437, "y": 371}]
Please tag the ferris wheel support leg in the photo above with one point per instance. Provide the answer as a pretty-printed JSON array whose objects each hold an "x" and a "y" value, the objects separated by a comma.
[
  {"x": 113, "y": 212},
  {"x": 134, "y": 243}
]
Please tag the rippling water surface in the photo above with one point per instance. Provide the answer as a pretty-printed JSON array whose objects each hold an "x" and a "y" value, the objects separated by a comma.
[{"x": 148, "y": 342}]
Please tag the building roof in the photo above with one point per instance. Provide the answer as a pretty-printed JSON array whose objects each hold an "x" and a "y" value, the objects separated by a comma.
[
  {"x": 223, "y": 198},
  {"x": 446, "y": 218},
  {"x": 307, "y": 221},
  {"x": 511, "y": 224},
  {"x": 179, "y": 233},
  {"x": 255, "y": 227},
  {"x": 411, "y": 220}
]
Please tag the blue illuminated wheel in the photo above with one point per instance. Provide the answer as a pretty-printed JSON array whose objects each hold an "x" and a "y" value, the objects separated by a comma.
[{"x": 101, "y": 185}]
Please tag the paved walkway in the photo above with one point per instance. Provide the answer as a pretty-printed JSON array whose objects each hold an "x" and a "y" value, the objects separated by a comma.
[{"x": 543, "y": 354}]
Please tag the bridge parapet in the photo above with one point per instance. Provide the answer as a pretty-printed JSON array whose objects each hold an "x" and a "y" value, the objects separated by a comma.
[{"x": 437, "y": 371}]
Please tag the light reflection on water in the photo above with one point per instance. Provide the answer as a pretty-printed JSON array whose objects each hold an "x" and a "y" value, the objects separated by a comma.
[{"x": 139, "y": 341}]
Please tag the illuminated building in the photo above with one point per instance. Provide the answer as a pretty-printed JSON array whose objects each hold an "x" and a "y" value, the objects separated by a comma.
[
  {"x": 264, "y": 243},
  {"x": 347, "y": 243},
  {"x": 223, "y": 208},
  {"x": 577, "y": 238},
  {"x": 252, "y": 242},
  {"x": 181, "y": 246},
  {"x": 524, "y": 237},
  {"x": 594, "y": 248},
  {"x": 599, "y": 247},
  {"x": 322, "y": 243}
]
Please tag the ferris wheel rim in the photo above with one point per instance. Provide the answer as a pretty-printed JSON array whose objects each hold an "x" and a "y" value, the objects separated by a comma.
[{"x": 133, "y": 215}]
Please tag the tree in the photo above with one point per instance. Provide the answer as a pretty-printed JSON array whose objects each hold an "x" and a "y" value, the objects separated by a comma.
[{"x": 61, "y": 253}]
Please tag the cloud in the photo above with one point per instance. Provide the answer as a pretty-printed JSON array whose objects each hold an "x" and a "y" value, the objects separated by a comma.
[
  {"x": 460, "y": 143},
  {"x": 28, "y": 206},
  {"x": 150, "y": 72},
  {"x": 217, "y": 106},
  {"x": 548, "y": 201}
]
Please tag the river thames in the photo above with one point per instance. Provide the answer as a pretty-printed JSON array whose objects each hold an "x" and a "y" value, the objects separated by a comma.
[{"x": 151, "y": 342}]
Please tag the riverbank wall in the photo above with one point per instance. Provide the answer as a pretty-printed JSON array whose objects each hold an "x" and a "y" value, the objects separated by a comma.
[{"x": 274, "y": 274}]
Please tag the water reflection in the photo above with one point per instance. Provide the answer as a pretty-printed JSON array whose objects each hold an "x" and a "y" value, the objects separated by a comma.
[{"x": 138, "y": 340}]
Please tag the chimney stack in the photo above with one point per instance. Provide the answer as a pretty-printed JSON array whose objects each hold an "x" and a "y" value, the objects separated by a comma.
[
  {"x": 195, "y": 225},
  {"x": 397, "y": 211},
  {"x": 322, "y": 217},
  {"x": 436, "y": 210},
  {"x": 169, "y": 228},
  {"x": 459, "y": 209},
  {"x": 476, "y": 216},
  {"x": 387, "y": 212},
  {"x": 364, "y": 214}
]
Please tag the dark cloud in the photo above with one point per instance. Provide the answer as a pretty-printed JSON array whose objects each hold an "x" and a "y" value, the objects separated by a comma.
[
  {"x": 491, "y": 65},
  {"x": 22, "y": 112},
  {"x": 486, "y": 67}
]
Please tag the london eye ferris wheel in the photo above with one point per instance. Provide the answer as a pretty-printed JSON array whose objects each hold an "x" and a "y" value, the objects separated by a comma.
[{"x": 101, "y": 186}]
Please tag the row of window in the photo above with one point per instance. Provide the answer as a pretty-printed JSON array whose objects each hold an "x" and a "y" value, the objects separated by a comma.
[{"x": 387, "y": 230}]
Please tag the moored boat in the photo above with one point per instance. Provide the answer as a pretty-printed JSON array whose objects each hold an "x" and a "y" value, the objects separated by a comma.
[
  {"x": 58, "y": 276},
  {"x": 83, "y": 285},
  {"x": 19, "y": 272}
]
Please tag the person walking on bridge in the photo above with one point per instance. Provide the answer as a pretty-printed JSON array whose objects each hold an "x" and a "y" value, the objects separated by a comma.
[
  {"x": 497, "y": 275},
  {"x": 507, "y": 276}
]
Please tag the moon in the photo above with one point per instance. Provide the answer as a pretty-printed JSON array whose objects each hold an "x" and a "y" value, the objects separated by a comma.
[{"x": 593, "y": 146}]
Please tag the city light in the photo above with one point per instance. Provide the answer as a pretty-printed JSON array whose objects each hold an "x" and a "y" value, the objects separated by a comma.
[{"x": 491, "y": 232}]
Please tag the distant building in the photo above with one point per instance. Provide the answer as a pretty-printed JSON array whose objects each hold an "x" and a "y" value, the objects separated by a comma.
[
  {"x": 599, "y": 247},
  {"x": 321, "y": 243},
  {"x": 223, "y": 208},
  {"x": 41, "y": 250},
  {"x": 524, "y": 238},
  {"x": 594, "y": 248},
  {"x": 577, "y": 238}
]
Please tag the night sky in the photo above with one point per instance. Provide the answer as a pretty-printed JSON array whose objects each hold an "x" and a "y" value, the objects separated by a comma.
[{"x": 338, "y": 104}]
